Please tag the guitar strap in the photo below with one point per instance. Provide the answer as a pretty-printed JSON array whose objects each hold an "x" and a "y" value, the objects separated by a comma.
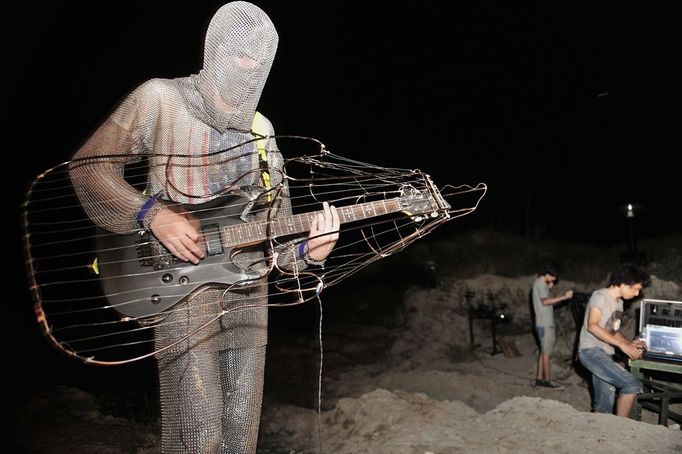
[{"x": 259, "y": 128}]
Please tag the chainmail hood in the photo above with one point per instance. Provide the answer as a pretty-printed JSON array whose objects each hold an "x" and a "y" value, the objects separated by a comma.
[{"x": 240, "y": 46}]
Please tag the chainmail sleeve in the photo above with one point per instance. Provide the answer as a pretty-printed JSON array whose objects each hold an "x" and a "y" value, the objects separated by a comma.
[{"x": 97, "y": 168}]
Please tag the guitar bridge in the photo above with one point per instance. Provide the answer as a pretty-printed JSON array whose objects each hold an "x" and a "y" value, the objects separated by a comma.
[{"x": 151, "y": 253}]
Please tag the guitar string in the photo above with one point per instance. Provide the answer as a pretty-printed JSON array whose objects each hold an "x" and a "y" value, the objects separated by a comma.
[
  {"x": 152, "y": 272},
  {"x": 211, "y": 318},
  {"x": 36, "y": 244},
  {"x": 209, "y": 265},
  {"x": 319, "y": 375},
  {"x": 311, "y": 160},
  {"x": 353, "y": 262},
  {"x": 315, "y": 287},
  {"x": 410, "y": 179}
]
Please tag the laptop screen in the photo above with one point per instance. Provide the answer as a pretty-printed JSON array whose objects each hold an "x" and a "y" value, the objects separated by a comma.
[
  {"x": 661, "y": 328},
  {"x": 663, "y": 340}
]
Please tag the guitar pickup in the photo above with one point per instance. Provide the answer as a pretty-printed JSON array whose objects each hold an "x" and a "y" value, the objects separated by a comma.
[{"x": 214, "y": 245}]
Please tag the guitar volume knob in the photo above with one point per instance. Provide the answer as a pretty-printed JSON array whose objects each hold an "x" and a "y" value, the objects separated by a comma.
[{"x": 184, "y": 280}]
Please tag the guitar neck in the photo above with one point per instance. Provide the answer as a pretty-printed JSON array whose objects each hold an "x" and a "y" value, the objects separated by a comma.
[{"x": 255, "y": 232}]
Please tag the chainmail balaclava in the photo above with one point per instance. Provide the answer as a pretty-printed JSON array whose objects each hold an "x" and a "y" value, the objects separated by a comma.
[
  {"x": 238, "y": 53},
  {"x": 194, "y": 132}
]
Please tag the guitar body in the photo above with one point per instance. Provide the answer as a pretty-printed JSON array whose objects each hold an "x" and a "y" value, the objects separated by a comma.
[{"x": 142, "y": 278}]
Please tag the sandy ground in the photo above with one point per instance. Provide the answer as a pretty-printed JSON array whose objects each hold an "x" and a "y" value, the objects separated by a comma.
[{"x": 411, "y": 382}]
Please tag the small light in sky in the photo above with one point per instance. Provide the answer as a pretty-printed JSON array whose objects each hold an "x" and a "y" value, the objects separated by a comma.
[{"x": 630, "y": 213}]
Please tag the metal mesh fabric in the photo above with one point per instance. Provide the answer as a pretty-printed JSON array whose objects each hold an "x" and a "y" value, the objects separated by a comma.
[
  {"x": 210, "y": 401},
  {"x": 179, "y": 123},
  {"x": 191, "y": 131},
  {"x": 238, "y": 53}
]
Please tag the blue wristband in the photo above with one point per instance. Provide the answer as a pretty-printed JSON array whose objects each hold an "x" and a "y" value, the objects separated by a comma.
[
  {"x": 145, "y": 208},
  {"x": 301, "y": 248}
]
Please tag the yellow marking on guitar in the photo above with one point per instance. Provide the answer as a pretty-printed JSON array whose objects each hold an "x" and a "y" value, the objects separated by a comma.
[{"x": 94, "y": 266}]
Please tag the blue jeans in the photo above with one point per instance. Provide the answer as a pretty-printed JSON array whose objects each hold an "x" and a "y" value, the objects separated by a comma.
[{"x": 607, "y": 376}]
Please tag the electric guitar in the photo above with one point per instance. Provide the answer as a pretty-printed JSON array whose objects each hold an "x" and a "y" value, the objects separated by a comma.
[{"x": 142, "y": 278}]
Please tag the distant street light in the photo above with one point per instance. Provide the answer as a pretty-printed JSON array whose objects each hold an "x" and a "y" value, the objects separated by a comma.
[
  {"x": 632, "y": 243},
  {"x": 632, "y": 255}
]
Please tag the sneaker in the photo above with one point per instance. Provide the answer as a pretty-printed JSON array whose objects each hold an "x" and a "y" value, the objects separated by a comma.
[
  {"x": 538, "y": 382},
  {"x": 549, "y": 384}
]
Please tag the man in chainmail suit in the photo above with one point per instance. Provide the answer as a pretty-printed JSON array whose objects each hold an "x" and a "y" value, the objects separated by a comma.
[{"x": 210, "y": 383}]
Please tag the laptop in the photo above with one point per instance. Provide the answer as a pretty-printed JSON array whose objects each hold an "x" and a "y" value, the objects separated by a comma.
[{"x": 660, "y": 326}]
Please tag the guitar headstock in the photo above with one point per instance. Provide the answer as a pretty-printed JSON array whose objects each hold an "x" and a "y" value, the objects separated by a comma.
[{"x": 414, "y": 202}]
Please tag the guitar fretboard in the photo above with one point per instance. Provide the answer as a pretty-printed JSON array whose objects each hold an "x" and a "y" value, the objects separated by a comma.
[{"x": 254, "y": 232}]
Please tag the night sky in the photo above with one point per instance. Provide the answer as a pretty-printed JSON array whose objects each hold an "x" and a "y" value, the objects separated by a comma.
[
  {"x": 566, "y": 112},
  {"x": 542, "y": 103}
]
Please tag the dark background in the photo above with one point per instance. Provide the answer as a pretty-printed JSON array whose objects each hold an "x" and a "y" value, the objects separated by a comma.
[{"x": 566, "y": 112}]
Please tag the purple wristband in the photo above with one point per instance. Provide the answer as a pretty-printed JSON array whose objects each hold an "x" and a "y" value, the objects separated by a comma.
[
  {"x": 143, "y": 210},
  {"x": 301, "y": 248}
]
